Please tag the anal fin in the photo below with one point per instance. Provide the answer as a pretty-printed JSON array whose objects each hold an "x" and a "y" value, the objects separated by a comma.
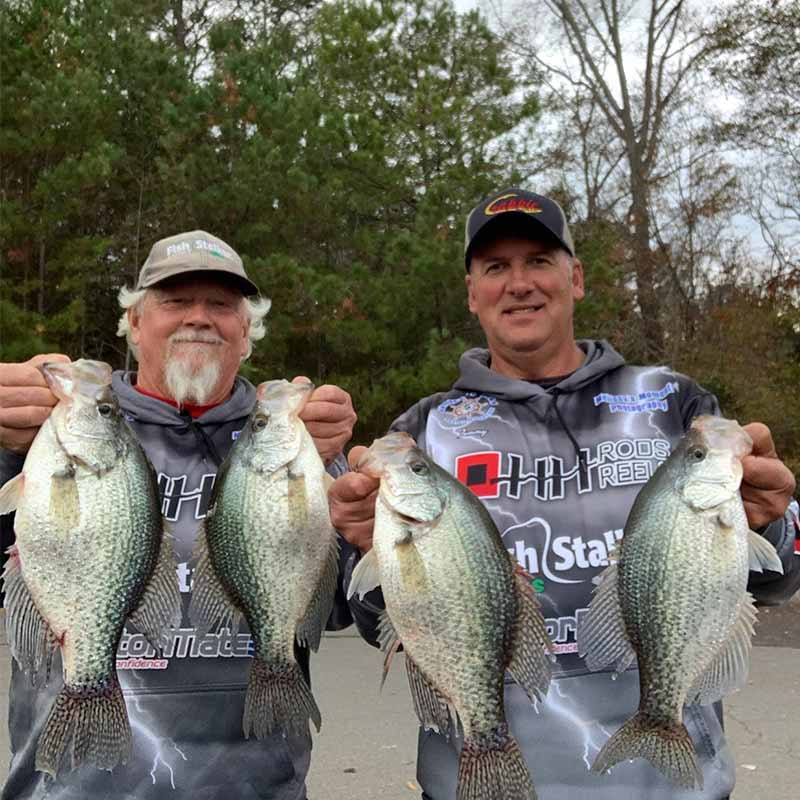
[
  {"x": 210, "y": 605},
  {"x": 160, "y": 605},
  {"x": 30, "y": 638},
  {"x": 728, "y": 670},
  {"x": 530, "y": 663},
  {"x": 309, "y": 631},
  {"x": 602, "y": 637},
  {"x": 429, "y": 703}
]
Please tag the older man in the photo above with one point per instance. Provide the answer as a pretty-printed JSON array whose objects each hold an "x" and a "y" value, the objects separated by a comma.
[
  {"x": 190, "y": 321},
  {"x": 557, "y": 437}
]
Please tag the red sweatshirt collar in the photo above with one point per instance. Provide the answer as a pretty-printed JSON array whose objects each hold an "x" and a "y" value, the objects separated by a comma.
[{"x": 195, "y": 411}]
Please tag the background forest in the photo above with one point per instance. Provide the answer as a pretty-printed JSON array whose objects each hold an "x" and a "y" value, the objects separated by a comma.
[{"x": 338, "y": 146}]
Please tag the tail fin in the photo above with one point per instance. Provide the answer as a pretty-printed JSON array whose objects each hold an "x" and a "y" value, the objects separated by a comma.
[
  {"x": 94, "y": 717},
  {"x": 669, "y": 749},
  {"x": 491, "y": 767},
  {"x": 278, "y": 697}
]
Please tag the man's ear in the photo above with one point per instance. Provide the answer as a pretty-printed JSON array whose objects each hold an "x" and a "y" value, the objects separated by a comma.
[
  {"x": 577, "y": 280},
  {"x": 471, "y": 304}
]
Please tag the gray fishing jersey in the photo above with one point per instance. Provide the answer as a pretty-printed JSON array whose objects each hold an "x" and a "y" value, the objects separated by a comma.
[
  {"x": 558, "y": 469},
  {"x": 185, "y": 704}
]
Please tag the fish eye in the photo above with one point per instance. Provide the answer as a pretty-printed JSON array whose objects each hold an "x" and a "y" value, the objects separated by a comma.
[
  {"x": 697, "y": 453},
  {"x": 419, "y": 468},
  {"x": 105, "y": 409},
  {"x": 260, "y": 422}
]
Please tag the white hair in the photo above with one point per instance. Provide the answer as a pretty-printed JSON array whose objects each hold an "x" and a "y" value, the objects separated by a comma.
[{"x": 255, "y": 310}]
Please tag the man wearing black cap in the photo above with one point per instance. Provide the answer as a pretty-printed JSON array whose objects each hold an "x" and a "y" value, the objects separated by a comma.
[
  {"x": 557, "y": 437},
  {"x": 190, "y": 322}
]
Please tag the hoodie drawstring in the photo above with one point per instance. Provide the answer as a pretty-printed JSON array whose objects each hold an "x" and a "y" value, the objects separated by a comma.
[
  {"x": 578, "y": 452},
  {"x": 203, "y": 439}
]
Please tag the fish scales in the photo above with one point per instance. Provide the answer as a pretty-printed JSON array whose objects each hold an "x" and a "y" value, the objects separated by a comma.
[
  {"x": 270, "y": 553},
  {"x": 677, "y": 598},
  {"x": 461, "y": 609},
  {"x": 89, "y": 543}
]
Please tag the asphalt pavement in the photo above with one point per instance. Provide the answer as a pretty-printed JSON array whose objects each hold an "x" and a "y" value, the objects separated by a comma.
[{"x": 367, "y": 747}]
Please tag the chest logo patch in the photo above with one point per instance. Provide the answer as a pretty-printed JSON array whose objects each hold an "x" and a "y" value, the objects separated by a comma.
[
  {"x": 471, "y": 407},
  {"x": 639, "y": 403}
]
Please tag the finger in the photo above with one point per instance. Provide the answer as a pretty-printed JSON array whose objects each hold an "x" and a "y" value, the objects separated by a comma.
[
  {"x": 17, "y": 440},
  {"x": 11, "y": 396},
  {"x": 329, "y": 430},
  {"x": 326, "y": 411},
  {"x": 762, "y": 473},
  {"x": 24, "y": 417},
  {"x": 763, "y": 445},
  {"x": 354, "y": 456},
  {"x": 27, "y": 373},
  {"x": 301, "y": 379},
  {"x": 330, "y": 393},
  {"x": 353, "y": 487}
]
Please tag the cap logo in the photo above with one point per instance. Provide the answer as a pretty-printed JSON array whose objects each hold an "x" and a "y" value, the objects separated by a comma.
[
  {"x": 512, "y": 202},
  {"x": 182, "y": 248}
]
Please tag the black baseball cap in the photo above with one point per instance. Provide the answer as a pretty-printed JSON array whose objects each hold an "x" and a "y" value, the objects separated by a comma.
[{"x": 536, "y": 210}]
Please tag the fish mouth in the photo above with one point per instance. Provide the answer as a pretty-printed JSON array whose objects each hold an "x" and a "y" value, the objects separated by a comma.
[
  {"x": 718, "y": 433},
  {"x": 390, "y": 449}
]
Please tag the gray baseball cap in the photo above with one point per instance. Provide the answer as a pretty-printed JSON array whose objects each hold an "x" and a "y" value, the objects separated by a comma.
[{"x": 193, "y": 251}]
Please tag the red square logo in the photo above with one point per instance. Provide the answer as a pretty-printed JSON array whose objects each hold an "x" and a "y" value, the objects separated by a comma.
[{"x": 479, "y": 471}]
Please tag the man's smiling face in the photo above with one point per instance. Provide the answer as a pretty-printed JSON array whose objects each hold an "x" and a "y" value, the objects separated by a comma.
[{"x": 523, "y": 292}]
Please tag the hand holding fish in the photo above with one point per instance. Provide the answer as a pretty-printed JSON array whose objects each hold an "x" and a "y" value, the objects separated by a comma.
[
  {"x": 329, "y": 418},
  {"x": 25, "y": 401},
  {"x": 767, "y": 483},
  {"x": 352, "y": 500}
]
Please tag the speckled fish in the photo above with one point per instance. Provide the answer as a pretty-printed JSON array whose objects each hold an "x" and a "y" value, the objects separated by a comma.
[
  {"x": 677, "y": 597},
  {"x": 270, "y": 553},
  {"x": 462, "y": 610},
  {"x": 89, "y": 554}
]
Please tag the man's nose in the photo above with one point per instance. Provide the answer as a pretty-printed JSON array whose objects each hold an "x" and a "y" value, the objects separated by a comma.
[
  {"x": 520, "y": 280},
  {"x": 197, "y": 313}
]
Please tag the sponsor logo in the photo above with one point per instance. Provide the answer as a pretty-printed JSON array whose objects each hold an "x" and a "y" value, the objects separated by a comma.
[
  {"x": 563, "y": 631},
  {"x": 181, "y": 248},
  {"x": 555, "y": 555},
  {"x": 621, "y": 462},
  {"x": 655, "y": 400},
  {"x": 134, "y": 648},
  {"x": 235, "y": 435},
  {"x": 461, "y": 411},
  {"x": 512, "y": 202},
  {"x": 174, "y": 495}
]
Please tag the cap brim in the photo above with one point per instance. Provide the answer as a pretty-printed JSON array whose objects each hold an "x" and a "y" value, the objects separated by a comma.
[
  {"x": 245, "y": 286},
  {"x": 523, "y": 220}
]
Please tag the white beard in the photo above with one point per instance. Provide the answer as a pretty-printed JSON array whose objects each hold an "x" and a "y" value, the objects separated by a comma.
[{"x": 191, "y": 379}]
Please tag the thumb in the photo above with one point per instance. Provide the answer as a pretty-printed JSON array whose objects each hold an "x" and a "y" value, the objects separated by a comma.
[
  {"x": 45, "y": 358},
  {"x": 301, "y": 379},
  {"x": 354, "y": 456}
]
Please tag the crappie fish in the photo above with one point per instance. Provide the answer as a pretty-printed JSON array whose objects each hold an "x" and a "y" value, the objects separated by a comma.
[
  {"x": 89, "y": 554},
  {"x": 462, "y": 610},
  {"x": 677, "y": 597},
  {"x": 270, "y": 553}
]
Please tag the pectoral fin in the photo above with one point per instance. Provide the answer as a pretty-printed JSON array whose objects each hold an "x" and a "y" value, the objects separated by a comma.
[
  {"x": 762, "y": 554},
  {"x": 366, "y": 575},
  {"x": 11, "y": 494}
]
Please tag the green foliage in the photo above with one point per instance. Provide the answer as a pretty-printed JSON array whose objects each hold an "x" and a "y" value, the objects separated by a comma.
[{"x": 338, "y": 147}]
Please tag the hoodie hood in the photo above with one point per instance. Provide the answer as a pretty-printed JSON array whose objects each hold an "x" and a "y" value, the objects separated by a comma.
[
  {"x": 478, "y": 376},
  {"x": 141, "y": 408}
]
